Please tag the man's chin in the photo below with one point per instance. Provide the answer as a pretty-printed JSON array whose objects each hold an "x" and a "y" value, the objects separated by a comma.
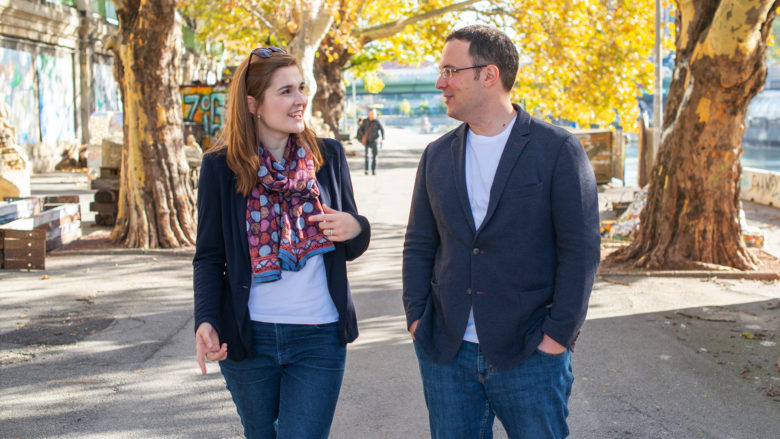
[{"x": 453, "y": 114}]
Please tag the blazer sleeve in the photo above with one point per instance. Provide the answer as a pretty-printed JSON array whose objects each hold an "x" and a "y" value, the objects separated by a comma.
[
  {"x": 575, "y": 218},
  {"x": 209, "y": 260},
  {"x": 420, "y": 246},
  {"x": 359, "y": 244}
]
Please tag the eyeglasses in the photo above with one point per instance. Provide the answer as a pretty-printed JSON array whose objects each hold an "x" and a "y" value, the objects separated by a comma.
[
  {"x": 447, "y": 72},
  {"x": 266, "y": 52},
  {"x": 262, "y": 52}
]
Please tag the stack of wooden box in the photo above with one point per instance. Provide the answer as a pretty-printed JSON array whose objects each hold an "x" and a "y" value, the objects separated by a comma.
[
  {"x": 29, "y": 227},
  {"x": 107, "y": 184},
  {"x": 105, "y": 204}
]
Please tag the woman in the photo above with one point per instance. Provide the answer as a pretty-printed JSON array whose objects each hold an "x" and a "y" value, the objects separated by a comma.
[{"x": 276, "y": 224}]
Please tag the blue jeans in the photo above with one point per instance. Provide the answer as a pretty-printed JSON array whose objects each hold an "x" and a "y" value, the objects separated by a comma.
[
  {"x": 466, "y": 394},
  {"x": 289, "y": 388}
]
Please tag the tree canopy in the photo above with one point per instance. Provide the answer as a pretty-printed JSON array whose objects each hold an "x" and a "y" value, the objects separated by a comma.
[{"x": 584, "y": 60}]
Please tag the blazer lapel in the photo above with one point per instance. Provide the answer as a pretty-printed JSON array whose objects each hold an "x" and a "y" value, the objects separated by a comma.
[
  {"x": 518, "y": 139},
  {"x": 458, "y": 149}
]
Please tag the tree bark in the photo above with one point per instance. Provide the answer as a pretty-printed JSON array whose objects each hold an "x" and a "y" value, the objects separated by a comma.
[
  {"x": 690, "y": 219},
  {"x": 156, "y": 200},
  {"x": 329, "y": 99}
]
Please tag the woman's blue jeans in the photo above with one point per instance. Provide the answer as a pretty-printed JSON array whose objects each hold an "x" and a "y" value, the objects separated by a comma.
[
  {"x": 466, "y": 394},
  {"x": 289, "y": 388}
]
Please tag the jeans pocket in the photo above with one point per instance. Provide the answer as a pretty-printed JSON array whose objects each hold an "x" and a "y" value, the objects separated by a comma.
[{"x": 549, "y": 355}]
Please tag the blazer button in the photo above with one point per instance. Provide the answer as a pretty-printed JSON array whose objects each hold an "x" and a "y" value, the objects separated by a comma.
[
  {"x": 475, "y": 251},
  {"x": 468, "y": 291}
]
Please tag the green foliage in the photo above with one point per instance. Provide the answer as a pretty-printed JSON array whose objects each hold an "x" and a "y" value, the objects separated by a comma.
[
  {"x": 405, "y": 108},
  {"x": 773, "y": 49},
  {"x": 584, "y": 59}
]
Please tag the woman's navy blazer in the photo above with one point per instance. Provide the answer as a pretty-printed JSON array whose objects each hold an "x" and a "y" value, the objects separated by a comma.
[{"x": 222, "y": 273}]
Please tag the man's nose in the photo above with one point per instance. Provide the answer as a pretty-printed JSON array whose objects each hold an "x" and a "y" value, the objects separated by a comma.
[{"x": 441, "y": 83}]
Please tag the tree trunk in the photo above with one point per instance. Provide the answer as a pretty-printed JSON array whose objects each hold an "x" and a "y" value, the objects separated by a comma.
[
  {"x": 690, "y": 219},
  {"x": 329, "y": 100},
  {"x": 156, "y": 200},
  {"x": 316, "y": 19}
]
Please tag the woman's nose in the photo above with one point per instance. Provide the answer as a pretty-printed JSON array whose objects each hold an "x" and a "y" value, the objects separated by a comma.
[{"x": 301, "y": 97}]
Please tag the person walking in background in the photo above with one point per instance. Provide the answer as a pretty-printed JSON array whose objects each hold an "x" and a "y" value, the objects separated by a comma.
[
  {"x": 277, "y": 222},
  {"x": 500, "y": 253},
  {"x": 368, "y": 133}
]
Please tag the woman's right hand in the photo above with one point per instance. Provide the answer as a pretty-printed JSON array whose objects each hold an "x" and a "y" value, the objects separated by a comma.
[{"x": 207, "y": 346}]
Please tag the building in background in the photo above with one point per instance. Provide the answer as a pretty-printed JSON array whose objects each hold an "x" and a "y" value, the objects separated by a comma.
[
  {"x": 408, "y": 99},
  {"x": 55, "y": 70}
]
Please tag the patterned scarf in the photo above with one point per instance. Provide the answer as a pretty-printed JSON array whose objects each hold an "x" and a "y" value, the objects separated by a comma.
[{"x": 276, "y": 213}]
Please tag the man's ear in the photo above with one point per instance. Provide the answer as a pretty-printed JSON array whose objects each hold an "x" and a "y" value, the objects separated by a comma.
[
  {"x": 490, "y": 76},
  {"x": 252, "y": 104}
]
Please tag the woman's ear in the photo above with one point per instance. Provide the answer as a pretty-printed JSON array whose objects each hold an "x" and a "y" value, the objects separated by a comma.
[{"x": 252, "y": 104}]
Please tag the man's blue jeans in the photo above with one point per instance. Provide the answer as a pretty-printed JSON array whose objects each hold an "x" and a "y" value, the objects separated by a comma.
[
  {"x": 289, "y": 389},
  {"x": 464, "y": 395}
]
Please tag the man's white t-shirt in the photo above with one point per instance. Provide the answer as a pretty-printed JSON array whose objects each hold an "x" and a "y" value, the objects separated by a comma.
[{"x": 482, "y": 156}]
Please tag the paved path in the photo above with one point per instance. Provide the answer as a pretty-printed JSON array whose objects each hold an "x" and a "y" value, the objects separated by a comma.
[{"x": 640, "y": 372}]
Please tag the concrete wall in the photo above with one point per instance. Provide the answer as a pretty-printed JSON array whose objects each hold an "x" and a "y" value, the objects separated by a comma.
[
  {"x": 760, "y": 186},
  {"x": 49, "y": 52}
]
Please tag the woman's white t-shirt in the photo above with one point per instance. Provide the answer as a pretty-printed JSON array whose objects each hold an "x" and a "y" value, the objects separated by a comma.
[{"x": 298, "y": 297}]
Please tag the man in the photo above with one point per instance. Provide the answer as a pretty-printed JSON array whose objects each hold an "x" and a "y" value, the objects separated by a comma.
[
  {"x": 368, "y": 133},
  {"x": 500, "y": 253}
]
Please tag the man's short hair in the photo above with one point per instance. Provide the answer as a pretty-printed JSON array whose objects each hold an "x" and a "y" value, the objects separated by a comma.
[{"x": 489, "y": 45}]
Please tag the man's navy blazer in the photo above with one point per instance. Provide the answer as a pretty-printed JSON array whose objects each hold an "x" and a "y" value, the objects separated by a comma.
[
  {"x": 528, "y": 269},
  {"x": 222, "y": 273}
]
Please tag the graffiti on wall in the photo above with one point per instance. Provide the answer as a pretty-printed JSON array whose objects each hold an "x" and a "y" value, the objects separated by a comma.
[
  {"x": 105, "y": 93},
  {"x": 760, "y": 186},
  {"x": 17, "y": 77},
  {"x": 203, "y": 107},
  {"x": 55, "y": 98}
]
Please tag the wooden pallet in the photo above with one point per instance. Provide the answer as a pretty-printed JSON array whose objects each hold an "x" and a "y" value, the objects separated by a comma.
[
  {"x": 24, "y": 242},
  {"x": 23, "y": 249},
  {"x": 12, "y": 209}
]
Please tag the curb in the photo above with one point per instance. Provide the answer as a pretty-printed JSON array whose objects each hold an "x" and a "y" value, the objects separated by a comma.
[
  {"x": 181, "y": 253},
  {"x": 744, "y": 275}
]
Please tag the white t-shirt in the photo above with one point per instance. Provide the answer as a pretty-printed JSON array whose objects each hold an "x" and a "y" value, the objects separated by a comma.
[
  {"x": 482, "y": 156},
  {"x": 299, "y": 297}
]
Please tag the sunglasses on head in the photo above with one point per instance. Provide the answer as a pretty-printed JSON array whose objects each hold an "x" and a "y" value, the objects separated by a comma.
[
  {"x": 263, "y": 52},
  {"x": 266, "y": 52}
]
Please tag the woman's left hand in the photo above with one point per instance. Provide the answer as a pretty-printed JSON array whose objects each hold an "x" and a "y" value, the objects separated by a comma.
[{"x": 336, "y": 225}]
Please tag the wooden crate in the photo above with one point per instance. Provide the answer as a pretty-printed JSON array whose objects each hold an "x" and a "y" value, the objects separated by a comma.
[
  {"x": 26, "y": 241},
  {"x": 605, "y": 152},
  {"x": 24, "y": 249}
]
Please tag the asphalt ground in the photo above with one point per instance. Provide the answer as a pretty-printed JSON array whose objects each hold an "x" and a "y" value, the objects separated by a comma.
[{"x": 100, "y": 344}]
